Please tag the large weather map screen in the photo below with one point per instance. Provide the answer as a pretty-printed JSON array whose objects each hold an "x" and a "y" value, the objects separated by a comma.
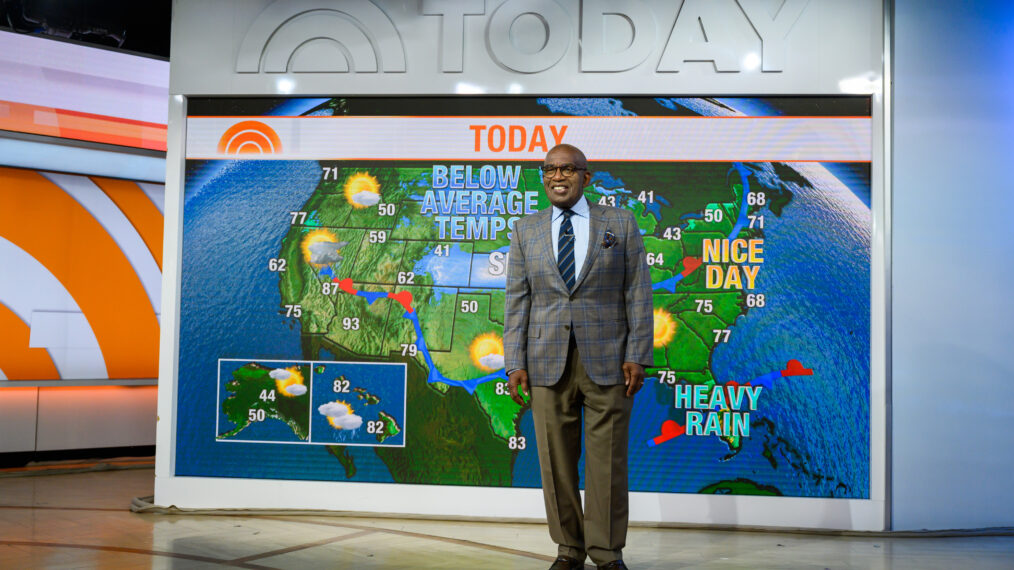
[{"x": 343, "y": 272}]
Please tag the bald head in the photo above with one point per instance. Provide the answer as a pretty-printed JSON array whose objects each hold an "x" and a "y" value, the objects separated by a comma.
[
  {"x": 565, "y": 174},
  {"x": 575, "y": 154}
]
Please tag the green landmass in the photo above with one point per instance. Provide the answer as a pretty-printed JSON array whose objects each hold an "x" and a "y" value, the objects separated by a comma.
[
  {"x": 367, "y": 398},
  {"x": 248, "y": 384},
  {"x": 672, "y": 257},
  {"x": 645, "y": 220},
  {"x": 739, "y": 486},
  {"x": 503, "y": 412},
  {"x": 459, "y": 438},
  {"x": 451, "y": 441},
  {"x": 344, "y": 457},
  {"x": 688, "y": 354},
  {"x": 391, "y": 427}
]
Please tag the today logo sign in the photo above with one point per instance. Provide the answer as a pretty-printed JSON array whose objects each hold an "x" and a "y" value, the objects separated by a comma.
[{"x": 525, "y": 36}]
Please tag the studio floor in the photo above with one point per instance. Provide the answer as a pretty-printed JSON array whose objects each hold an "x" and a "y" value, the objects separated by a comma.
[{"x": 83, "y": 520}]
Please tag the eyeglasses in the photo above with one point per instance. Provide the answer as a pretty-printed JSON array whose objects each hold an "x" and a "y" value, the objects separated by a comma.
[{"x": 566, "y": 169}]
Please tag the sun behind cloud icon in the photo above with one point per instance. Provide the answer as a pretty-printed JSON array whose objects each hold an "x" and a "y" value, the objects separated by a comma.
[
  {"x": 340, "y": 415},
  {"x": 321, "y": 247},
  {"x": 665, "y": 328},
  {"x": 362, "y": 190},
  {"x": 289, "y": 381},
  {"x": 487, "y": 352}
]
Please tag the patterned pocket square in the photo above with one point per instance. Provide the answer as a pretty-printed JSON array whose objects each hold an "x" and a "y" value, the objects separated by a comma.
[{"x": 608, "y": 240}]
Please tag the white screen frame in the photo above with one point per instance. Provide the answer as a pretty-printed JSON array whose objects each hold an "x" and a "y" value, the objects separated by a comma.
[{"x": 497, "y": 503}]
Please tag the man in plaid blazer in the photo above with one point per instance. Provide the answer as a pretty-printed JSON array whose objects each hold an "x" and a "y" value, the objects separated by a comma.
[{"x": 577, "y": 337}]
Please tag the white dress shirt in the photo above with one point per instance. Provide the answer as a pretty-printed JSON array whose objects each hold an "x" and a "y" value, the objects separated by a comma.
[{"x": 580, "y": 222}]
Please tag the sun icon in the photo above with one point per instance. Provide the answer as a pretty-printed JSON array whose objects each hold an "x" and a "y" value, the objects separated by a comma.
[
  {"x": 362, "y": 190},
  {"x": 665, "y": 328},
  {"x": 285, "y": 385},
  {"x": 316, "y": 236},
  {"x": 487, "y": 352}
]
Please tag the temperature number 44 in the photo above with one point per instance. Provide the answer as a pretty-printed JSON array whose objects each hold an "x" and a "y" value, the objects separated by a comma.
[{"x": 267, "y": 395}]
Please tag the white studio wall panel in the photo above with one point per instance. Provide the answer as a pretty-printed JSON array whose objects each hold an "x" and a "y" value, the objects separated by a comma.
[
  {"x": 18, "y": 415},
  {"x": 226, "y": 53},
  {"x": 63, "y": 75},
  {"x": 96, "y": 417},
  {"x": 524, "y": 46},
  {"x": 952, "y": 371}
]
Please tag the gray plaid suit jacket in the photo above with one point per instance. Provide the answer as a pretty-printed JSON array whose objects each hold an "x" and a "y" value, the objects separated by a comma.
[{"x": 610, "y": 307}]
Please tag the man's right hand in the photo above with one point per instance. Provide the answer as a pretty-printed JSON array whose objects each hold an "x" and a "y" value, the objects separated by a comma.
[{"x": 518, "y": 382}]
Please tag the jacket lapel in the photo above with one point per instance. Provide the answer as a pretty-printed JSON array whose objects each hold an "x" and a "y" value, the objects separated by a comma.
[
  {"x": 595, "y": 229},
  {"x": 544, "y": 235}
]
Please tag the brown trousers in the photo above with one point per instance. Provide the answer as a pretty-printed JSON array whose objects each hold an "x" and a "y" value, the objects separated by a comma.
[{"x": 600, "y": 529}]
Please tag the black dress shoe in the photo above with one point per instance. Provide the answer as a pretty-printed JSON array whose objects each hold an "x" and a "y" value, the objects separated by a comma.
[
  {"x": 566, "y": 563},
  {"x": 614, "y": 565}
]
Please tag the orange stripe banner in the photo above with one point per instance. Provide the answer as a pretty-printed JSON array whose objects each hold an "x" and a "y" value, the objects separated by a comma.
[{"x": 62, "y": 123}]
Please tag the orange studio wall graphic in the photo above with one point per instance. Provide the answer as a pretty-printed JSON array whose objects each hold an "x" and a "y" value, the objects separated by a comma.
[{"x": 80, "y": 286}]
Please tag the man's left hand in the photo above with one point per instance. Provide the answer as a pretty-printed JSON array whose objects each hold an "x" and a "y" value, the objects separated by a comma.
[{"x": 633, "y": 377}]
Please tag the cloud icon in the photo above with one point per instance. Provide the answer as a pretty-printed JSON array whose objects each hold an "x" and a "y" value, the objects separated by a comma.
[
  {"x": 350, "y": 421},
  {"x": 365, "y": 198},
  {"x": 492, "y": 361},
  {"x": 334, "y": 409},
  {"x": 324, "y": 252},
  {"x": 340, "y": 415},
  {"x": 280, "y": 374},
  {"x": 295, "y": 389}
]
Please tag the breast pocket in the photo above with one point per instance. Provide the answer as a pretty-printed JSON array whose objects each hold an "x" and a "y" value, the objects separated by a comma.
[{"x": 611, "y": 263}]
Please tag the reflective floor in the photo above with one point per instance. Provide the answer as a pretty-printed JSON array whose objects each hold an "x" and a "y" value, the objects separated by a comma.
[{"x": 82, "y": 520}]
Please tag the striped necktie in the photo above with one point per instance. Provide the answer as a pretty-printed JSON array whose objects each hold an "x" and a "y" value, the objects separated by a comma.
[{"x": 565, "y": 257}]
